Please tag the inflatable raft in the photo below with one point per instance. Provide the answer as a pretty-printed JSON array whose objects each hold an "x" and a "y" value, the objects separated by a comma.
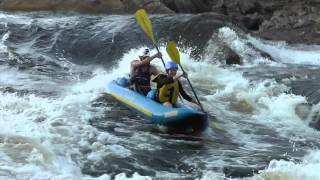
[{"x": 181, "y": 117}]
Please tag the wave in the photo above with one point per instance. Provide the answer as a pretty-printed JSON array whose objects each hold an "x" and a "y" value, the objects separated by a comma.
[
  {"x": 99, "y": 39},
  {"x": 291, "y": 54},
  {"x": 280, "y": 169}
]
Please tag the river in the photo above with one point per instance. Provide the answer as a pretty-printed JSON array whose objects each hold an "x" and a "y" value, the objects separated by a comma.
[{"x": 57, "y": 122}]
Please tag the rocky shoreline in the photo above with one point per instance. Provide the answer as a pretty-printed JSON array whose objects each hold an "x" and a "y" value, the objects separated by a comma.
[{"x": 293, "y": 21}]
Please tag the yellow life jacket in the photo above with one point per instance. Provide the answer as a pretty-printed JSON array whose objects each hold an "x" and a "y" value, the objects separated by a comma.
[{"x": 169, "y": 92}]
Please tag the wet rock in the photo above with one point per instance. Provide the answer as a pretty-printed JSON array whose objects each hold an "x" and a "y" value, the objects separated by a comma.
[
  {"x": 306, "y": 111},
  {"x": 303, "y": 110},
  {"x": 152, "y": 6},
  {"x": 219, "y": 8},
  {"x": 290, "y": 20},
  {"x": 252, "y": 22},
  {"x": 197, "y": 30},
  {"x": 40, "y": 119},
  {"x": 7, "y": 90},
  {"x": 315, "y": 123},
  {"x": 249, "y": 6},
  {"x": 232, "y": 57},
  {"x": 84, "y": 6},
  {"x": 240, "y": 172},
  {"x": 297, "y": 23},
  {"x": 189, "y": 6}
]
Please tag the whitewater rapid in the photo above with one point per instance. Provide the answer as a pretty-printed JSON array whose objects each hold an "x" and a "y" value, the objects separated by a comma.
[{"x": 47, "y": 135}]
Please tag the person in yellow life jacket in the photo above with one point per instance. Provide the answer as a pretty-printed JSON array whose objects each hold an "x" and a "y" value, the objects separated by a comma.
[
  {"x": 141, "y": 71},
  {"x": 169, "y": 86}
]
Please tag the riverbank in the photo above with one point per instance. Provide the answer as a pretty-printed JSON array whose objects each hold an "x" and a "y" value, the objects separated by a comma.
[{"x": 292, "y": 21}]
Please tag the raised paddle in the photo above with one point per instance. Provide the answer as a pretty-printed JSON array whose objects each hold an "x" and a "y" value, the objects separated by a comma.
[
  {"x": 145, "y": 24},
  {"x": 175, "y": 56}
]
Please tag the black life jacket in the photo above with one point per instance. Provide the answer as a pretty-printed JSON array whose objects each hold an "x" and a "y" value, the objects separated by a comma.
[{"x": 141, "y": 80}]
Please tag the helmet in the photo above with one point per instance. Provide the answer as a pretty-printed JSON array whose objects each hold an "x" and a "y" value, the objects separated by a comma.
[
  {"x": 146, "y": 52},
  {"x": 171, "y": 65}
]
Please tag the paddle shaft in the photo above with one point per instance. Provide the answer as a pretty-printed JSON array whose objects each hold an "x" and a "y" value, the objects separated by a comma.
[
  {"x": 192, "y": 89},
  {"x": 161, "y": 56}
]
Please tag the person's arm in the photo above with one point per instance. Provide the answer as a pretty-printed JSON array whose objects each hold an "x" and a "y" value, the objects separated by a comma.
[
  {"x": 184, "y": 94},
  {"x": 154, "y": 71},
  {"x": 145, "y": 61},
  {"x": 132, "y": 67},
  {"x": 162, "y": 79}
]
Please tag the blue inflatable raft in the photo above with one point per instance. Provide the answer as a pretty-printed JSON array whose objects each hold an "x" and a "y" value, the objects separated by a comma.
[{"x": 181, "y": 117}]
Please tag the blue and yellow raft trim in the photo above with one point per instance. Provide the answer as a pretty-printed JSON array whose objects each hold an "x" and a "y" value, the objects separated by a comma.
[{"x": 181, "y": 117}]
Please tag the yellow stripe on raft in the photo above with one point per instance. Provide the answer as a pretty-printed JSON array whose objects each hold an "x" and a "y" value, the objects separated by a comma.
[{"x": 133, "y": 105}]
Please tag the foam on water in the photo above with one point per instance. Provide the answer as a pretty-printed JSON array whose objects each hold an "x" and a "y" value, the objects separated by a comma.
[
  {"x": 51, "y": 131},
  {"x": 18, "y": 19},
  {"x": 249, "y": 56},
  {"x": 279, "y": 51},
  {"x": 269, "y": 103},
  {"x": 27, "y": 139},
  {"x": 307, "y": 169},
  {"x": 42, "y": 137},
  {"x": 268, "y": 97},
  {"x": 291, "y": 54},
  {"x": 3, "y": 47}
]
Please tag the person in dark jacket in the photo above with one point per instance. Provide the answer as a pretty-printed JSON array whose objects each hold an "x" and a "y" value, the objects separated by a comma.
[
  {"x": 169, "y": 86},
  {"x": 141, "y": 71}
]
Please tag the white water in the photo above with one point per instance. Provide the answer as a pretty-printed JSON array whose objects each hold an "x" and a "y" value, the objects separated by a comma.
[
  {"x": 308, "y": 169},
  {"x": 46, "y": 134},
  {"x": 250, "y": 57},
  {"x": 280, "y": 169},
  {"x": 40, "y": 135},
  {"x": 272, "y": 106},
  {"x": 265, "y": 102},
  {"x": 285, "y": 53}
]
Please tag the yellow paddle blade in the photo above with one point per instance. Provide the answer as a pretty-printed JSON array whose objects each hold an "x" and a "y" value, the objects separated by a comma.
[
  {"x": 145, "y": 24},
  {"x": 173, "y": 52},
  {"x": 212, "y": 124}
]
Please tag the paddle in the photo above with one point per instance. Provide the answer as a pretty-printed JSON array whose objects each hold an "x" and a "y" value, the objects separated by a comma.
[
  {"x": 175, "y": 56},
  {"x": 145, "y": 24}
]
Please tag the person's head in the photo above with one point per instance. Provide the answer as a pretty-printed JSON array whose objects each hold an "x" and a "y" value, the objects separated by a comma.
[
  {"x": 171, "y": 68},
  {"x": 145, "y": 54}
]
